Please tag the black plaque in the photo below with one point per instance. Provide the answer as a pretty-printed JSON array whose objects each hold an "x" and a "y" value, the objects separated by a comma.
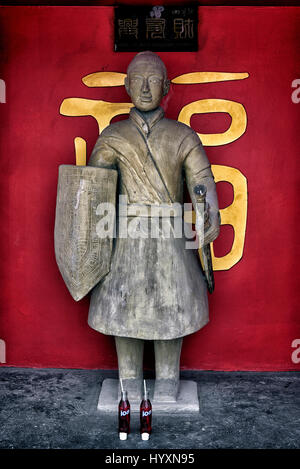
[{"x": 156, "y": 28}]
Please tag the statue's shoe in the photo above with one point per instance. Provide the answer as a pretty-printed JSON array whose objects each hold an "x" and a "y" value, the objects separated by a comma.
[
  {"x": 166, "y": 390},
  {"x": 133, "y": 386}
]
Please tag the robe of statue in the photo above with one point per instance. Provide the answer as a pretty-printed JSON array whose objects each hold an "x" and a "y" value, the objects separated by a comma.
[{"x": 155, "y": 288}]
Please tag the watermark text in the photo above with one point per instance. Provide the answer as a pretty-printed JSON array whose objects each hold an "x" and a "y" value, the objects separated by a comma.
[
  {"x": 2, "y": 91},
  {"x": 296, "y": 93},
  {"x": 296, "y": 353}
]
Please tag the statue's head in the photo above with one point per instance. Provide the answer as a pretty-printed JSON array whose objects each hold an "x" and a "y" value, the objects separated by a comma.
[{"x": 146, "y": 81}]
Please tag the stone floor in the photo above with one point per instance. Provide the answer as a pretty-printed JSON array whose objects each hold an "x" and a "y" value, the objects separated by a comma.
[{"x": 56, "y": 408}]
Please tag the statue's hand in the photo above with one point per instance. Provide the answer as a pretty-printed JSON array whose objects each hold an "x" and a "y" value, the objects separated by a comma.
[{"x": 213, "y": 229}]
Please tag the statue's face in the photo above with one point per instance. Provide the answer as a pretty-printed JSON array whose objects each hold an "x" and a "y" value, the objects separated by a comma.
[{"x": 146, "y": 85}]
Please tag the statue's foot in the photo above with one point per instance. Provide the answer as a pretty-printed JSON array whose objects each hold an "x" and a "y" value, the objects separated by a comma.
[
  {"x": 133, "y": 386},
  {"x": 166, "y": 390}
]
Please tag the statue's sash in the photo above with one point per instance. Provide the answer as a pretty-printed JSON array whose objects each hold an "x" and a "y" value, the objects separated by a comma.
[{"x": 82, "y": 256}]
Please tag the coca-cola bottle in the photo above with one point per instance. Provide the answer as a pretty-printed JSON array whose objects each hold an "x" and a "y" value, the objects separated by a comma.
[
  {"x": 145, "y": 415},
  {"x": 124, "y": 416}
]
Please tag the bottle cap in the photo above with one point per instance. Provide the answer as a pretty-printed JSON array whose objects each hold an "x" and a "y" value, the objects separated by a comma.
[
  {"x": 145, "y": 436},
  {"x": 123, "y": 436}
]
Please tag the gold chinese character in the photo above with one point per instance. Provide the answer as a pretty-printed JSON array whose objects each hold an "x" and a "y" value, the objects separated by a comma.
[
  {"x": 155, "y": 28},
  {"x": 128, "y": 27},
  {"x": 236, "y": 110},
  {"x": 183, "y": 28},
  {"x": 236, "y": 213}
]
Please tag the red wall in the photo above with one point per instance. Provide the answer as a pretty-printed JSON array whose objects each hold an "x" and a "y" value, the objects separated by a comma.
[{"x": 45, "y": 51}]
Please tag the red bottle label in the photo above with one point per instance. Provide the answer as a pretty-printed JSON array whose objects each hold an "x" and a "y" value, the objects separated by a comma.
[
  {"x": 146, "y": 416},
  {"x": 124, "y": 417}
]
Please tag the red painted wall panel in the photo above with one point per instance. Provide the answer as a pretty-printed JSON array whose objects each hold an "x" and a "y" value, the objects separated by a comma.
[{"x": 45, "y": 51}]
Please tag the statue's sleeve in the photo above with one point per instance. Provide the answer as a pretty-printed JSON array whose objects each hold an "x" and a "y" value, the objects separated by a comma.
[
  {"x": 103, "y": 155},
  {"x": 197, "y": 170}
]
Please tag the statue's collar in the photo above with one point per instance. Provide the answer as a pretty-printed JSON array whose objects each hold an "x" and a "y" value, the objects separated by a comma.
[{"x": 146, "y": 120}]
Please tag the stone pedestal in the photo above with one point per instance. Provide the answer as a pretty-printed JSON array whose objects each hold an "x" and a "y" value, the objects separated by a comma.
[{"x": 187, "y": 401}]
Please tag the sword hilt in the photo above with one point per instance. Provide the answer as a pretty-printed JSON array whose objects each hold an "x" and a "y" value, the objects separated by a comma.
[{"x": 200, "y": 192}]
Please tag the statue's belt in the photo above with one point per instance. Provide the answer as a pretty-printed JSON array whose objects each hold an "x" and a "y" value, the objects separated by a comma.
[{"x": 151, "y": 211}]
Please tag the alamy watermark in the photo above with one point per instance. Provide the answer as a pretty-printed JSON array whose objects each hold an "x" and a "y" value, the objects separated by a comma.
[
  {"x": 2, "y": 91},
  {"x": 296, "y": 353},
  {"x": 2, "y": 351},
  {"x": 296, "y": 93},
  {"x": 150, "y": 221}
]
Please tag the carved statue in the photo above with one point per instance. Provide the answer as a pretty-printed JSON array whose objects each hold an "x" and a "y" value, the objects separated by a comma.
[{"x": 147, "y": 285}]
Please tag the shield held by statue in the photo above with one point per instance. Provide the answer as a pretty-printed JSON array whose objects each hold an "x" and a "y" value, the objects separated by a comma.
[{"x": 83, "y": 255}]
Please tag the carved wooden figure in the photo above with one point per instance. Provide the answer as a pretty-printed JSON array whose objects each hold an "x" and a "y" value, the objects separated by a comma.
[{"x": 155, "y": 287}]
